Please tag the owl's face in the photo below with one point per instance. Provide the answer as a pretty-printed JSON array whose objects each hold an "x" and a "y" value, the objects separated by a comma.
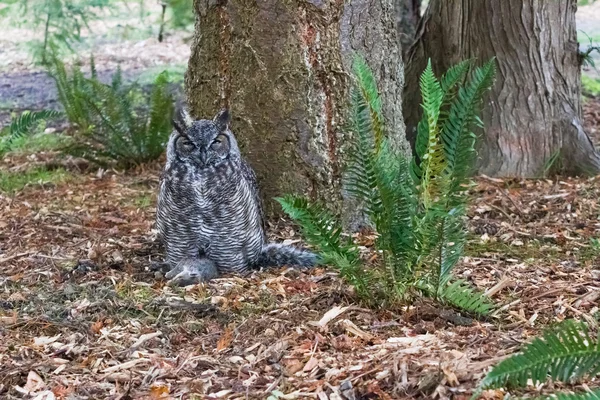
[{"x": 202, "y": 143}]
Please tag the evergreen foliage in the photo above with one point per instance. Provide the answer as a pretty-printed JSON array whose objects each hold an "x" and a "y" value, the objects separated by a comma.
[
  {"x": 24, "y": 125},
  {"x": 182, "y": 13},
  {"x": 62, "y": 21},
  {"x": 416, "y": 205},
  {"x": 114, "y": 122},
  {"x": 565, "y": 353}
]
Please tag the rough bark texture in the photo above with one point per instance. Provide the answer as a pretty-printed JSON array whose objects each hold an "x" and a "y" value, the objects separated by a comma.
[
  {"x": 282, "y": 66},
  {"x": 534, "y": 109},
  {"x": 408, "y": 14}
]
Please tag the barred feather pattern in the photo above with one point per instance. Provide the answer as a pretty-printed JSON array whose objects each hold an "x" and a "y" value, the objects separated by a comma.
[{"x": 209, "y": 205}]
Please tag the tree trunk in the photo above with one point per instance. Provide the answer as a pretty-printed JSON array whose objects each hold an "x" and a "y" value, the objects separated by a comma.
[
  {"x": 408, "y": 14},
  {"x": 282, "y": 67},
  {"x": 534, "y": 111}
]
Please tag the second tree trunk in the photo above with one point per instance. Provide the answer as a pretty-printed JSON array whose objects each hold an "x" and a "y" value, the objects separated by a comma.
[{"x": 534, "y": 114}]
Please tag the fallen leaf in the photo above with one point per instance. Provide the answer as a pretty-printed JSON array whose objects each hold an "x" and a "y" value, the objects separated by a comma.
[
  {"x": 34, "y": 382},
  {"x": 331, "y": 314},
  {"x": 225, "y": 339},
  {"x": 159, "y": 391},
  {"x": 97, "y": 326},
  {"x": 310, "y": 365}
]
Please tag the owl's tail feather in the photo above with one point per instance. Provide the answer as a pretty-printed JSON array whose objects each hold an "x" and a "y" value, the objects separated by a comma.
[{"x": 278, "y": 255}]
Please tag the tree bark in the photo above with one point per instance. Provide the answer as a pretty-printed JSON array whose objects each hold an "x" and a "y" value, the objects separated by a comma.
[
  {"x": 408, "y": 14},
  {"x": 282, "y": 67},
  {"x": 534, "y": 110}
]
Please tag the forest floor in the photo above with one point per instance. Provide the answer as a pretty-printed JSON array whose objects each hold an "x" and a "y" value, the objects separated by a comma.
[{"x": 82, "y": 317}]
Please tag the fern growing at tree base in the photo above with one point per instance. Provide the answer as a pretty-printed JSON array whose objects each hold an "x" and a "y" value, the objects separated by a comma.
[{"x": 416, "y": 205}]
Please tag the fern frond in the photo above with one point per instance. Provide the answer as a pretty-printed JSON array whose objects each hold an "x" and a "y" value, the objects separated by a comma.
[
  {"x": 161, "y": 114},
  {"x": 455, "y": 75},
  {"x": 451, "y": 242},
  {"x": 320, "y": 228},
  {"x": 360, "y": 178},
  {"x": 399, "y": 206},
  {"x": 433, "y": 161},
  {"x": 367, "y": 87},
  {"x": 592, "y": 395},
  {"x": 564, "y": 353},
  {"x": 462, "y": 296},
  {"x": 324, "y": 232},
  {"x": 459, "y": 140},
  {"x": 23, "y": 124}
]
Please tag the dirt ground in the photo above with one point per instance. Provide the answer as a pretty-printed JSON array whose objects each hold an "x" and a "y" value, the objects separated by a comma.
[{"x": 83, "y": 317}]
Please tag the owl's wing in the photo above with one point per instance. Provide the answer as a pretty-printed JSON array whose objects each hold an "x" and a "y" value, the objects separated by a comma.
[{"x": 250, "y": 177}]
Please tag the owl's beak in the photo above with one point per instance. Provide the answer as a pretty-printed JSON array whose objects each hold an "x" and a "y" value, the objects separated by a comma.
[{"x": 203, "y": 157}]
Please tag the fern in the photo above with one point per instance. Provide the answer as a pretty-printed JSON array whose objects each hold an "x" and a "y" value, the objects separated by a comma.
[
  {"x": 417, "y": 205},
  {"x": 593, "y": 395},
  {"x": 445, "y": 147},
  {"x": 116, "y": 122},
  {"x": 24, "y": 125},
  {"x": 460, "y": 295},
  {"x": 565, "y": 353},
  {"x": 319, "y": 228},
  {"x": 325, "y": 233}
]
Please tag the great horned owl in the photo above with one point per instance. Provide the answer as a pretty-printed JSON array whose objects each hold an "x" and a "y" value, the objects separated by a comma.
[{"x": 209, "y": 213}]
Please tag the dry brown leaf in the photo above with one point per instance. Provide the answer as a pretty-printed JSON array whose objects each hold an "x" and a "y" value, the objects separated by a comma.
[
  {"x": 159, "y": 391},
  {"x": 311, "y": 364},
  {"x": 225, "y": 339},
  {"x": 96, "y": 326},
  {"x": 331, "y": 314}
]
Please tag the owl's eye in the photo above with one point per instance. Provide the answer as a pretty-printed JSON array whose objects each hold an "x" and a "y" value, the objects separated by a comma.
[
  {"x": 218, "y": 143},
  {"x": 185, "y": 145}
]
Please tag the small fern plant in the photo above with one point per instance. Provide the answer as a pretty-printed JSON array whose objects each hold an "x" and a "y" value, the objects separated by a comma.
[
  {"x": 23, "y": 125},
  {"x": 115, "y": 123},
  {"x": 564, "y": 353},
  {"x": 417, "y": 206}
]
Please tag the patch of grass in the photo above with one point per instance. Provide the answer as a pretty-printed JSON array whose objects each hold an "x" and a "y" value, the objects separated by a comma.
[
  {"x": 143, "y": 201},
  {"x": 133, "y": 292},
  {"x": 590, "y": 252},
  {"x": 39, "y": 142},
  {"x": 265, "y": 302},
  {"x": 11, "y": 182},
  {"x": 590, "y": 85}
]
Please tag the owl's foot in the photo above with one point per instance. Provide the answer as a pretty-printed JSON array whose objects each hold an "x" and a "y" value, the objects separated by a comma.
[{"x": 192, "y": 270}]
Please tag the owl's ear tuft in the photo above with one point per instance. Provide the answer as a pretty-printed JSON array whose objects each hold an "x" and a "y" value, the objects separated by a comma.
[
  {"x": 182, "y": 120},
  {"x": 222, "y": 119}
]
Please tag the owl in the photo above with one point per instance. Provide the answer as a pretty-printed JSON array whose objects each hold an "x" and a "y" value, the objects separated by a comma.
[{"x": 209, "y": 213}]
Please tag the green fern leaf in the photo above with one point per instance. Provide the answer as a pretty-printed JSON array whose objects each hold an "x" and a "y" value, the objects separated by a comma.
[
  {"x": 24, "y": 123},
  {"x": 454, "y": 76},
  {"x": 324, "y": 232},
  {"x": 360, "y": 178},
  {"x": 564, "y": 353},
  {"x": 367, "y": 86},
  {"x": 462, "y": 296},
  {"x": 592, "y": 395},
  {"x": 320, "y": 228},
  {"x": 433, "y": 161},
  {"x": 459, "y": 140}
]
